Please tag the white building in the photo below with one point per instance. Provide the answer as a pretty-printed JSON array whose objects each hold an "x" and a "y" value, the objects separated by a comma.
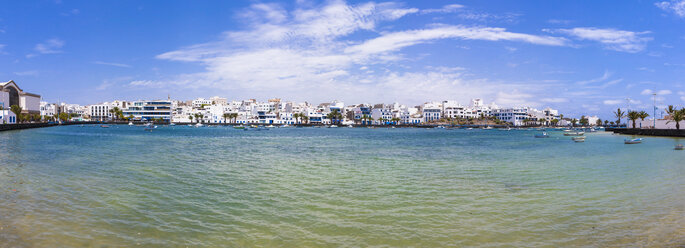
[
  {"x": 11, "y": 94},
  {"x": 100, "y": 112},
  {"x": 515, "y": 116},
  {"x": 432, "y": 112},
  {"x": 148, "y": 110}
]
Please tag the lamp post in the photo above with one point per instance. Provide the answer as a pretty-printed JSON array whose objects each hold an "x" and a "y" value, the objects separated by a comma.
[{"x": 654, "y": 116}]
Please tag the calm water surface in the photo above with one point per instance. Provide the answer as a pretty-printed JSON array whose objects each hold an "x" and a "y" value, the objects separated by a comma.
[{"x": 314, "y": 187}]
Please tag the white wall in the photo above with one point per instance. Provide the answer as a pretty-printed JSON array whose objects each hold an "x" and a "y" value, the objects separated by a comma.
[
  {"x": 5, "y": 99},
  {"x": 660, "y": 124},
  {"x": 30, "y": 103}
]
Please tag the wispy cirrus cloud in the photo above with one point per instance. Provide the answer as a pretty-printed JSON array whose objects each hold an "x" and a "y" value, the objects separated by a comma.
[
  {"x": 112, "y": 64},
  {"x": 613, "y": 39},
  {"x": 450, "y": 8},
  {"x": 675, "y": 6},
  {"x": 51, "y": 46}
]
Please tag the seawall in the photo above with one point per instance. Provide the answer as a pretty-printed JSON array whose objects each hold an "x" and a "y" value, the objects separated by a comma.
[{"x": 648, "y": 132}]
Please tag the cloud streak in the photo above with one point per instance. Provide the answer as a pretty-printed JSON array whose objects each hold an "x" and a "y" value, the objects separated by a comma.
[{"x": 613, "y": 39}]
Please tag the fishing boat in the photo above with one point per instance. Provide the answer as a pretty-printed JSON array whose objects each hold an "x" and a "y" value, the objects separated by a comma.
[
  {"x": 679, "y": 147},
  {"x": 574, "y": 134},
  {"x": 579, "y": 139},
  {"x": 542, "y": 135},
  {"x": 633, "y": 141}
]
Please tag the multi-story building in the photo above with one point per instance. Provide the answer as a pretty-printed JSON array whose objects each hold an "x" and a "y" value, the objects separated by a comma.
[
  {"x": 148, "y": 110},
  {"x": 11, "y": 94},
  {"x": 515, "y": 116},
  {"x": 100, "y": 112}
]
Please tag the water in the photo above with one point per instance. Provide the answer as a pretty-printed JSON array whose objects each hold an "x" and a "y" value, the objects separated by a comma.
[{"x": 317, "y": 187}]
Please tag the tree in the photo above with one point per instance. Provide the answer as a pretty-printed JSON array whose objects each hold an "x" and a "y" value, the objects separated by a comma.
[
  {"x": 116, "y": 113},
  {"x": 334, "y": 116},
  {"x": 619, "y": 115},
  {"x": 199, "y": 117},
  {"x": 395, "y": 120},
  {"x": 226, "y": 116},
  {"x": 598, "y": 122},
  {"x": 234, "y": 116},
  {"x": 606, "y": 122},
  {"x": 17, "y": 111},
  {"x": 554, "y": 121},
  {"x": 676, "y": 116},
  {"x": 584, "y": 121},
  {"x": 191, "y": 118},
  {"x": 633, "y": 116},
  {"x": 574, "y": 121},
  {"x": 64, "y": 117},
  {"x": 612, "y": 123}
]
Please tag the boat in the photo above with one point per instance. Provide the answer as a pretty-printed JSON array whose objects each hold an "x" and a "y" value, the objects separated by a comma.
[
  {"x": 542, "y": 135},
  {"x": 332, "y": 126},
  {"x": 104, "y": 126},
  {"x": 130, "y": 123},
  {"x": 270, "y": 126},
  {"x": 350, "y": 126},
  {"x": 679, "y": 147},
  {"x": 150, "y": 128},
  {"x": 579, "y": 139},
  {"x": 239, "y": 127},
  {"x": 633, "y": 141},
  {"x": 199, "y": 125},
  {"x": 172, "y": 124},
  {"x": 574, "y": 134}
]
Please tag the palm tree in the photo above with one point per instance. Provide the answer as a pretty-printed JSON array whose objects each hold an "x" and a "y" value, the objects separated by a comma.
[
  {"x": 598, "y": 122},
  {"x": 334, "y": 116},
  {"x": 612, "y": 123},
  {"x": 554, "y": 121},
  {"x": 574, "y": 121},
  {"x": 191, "y": 118},
  {"x": 676, "y": 116},
  {"x": 606, "y": 122},
  {"x": 619, "y": 115},
  {"x": 234, "y": 116},
  {"x": 395, "y": 120},
  {"x": 226, "y": 116},
  {"x": 633, "y": 116},
  {"x": 199, "y": 117},
  {"x": 584, "y": 121}
]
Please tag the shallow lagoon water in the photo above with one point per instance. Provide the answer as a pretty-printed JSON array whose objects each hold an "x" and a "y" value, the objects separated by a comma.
[{"x": 180, "y": 186}]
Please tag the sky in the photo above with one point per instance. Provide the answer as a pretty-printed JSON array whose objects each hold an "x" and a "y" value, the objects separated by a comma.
[{"x": 581, "y": 57}]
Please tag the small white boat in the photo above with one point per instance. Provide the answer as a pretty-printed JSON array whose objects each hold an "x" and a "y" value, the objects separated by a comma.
[
  {"x": 350, "y": 126},
  {"x": 332, "y": 126},
  {"x": 199, "y": 125},
  {"x": 172, "y": 124},
  {"x": 574, "y": 134},
  {"x": 579, "y": 139},
  {"x": 633, "y": 141},
  {"x": 130, "y": 123},
  {"x": 679, "y": 147},
  {"x": 270, "y": 126},
  {"x": 542, "y": 135}
]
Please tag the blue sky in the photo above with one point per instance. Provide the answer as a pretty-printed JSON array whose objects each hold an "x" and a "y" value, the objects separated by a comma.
[{"x": 582, "y": 57}]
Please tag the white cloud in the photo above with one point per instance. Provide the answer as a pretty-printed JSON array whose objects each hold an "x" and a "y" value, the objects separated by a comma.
[
  {"x": 26, "y": 73},
  {"x": 675, "y": 6},
  {"x": 307, "y": 53},
  {"x": 604, "y": 76},
  {"x": 398, "y": 40},
  {"x": 111, "y": 64},
  {"x": 450, "y": 8},
  {"x": 660, "y": 92},
  {"x": 50, "y": 46},
  {"x": 554, "y": 100},
  {"x": 613, "y": 39},
  {"x": 613, "y": 102}
]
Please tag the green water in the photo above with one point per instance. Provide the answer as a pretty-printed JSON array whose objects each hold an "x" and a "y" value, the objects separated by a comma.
[{"x": 315, "y": 187}]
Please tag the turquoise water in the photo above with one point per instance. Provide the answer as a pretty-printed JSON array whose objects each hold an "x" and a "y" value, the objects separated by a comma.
[{"x": 178, "y": 186}]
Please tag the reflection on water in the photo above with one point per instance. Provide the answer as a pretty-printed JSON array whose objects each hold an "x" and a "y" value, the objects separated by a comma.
[{"x": 213, "y": 186}]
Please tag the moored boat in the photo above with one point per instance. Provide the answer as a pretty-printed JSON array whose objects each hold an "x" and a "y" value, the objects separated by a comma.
[
  {"x": 578, "y": 139},
  {"x": 679, "y": 147},
  {"x": 633, "y": 141},
  {"x": 574, "y": 134},
  {"x": 542, "y": 135}
]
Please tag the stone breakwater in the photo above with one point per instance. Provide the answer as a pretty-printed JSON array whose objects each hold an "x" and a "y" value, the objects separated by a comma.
[
  {"x": 648, "y": 132},
  {"x": 8, "y": 127}
]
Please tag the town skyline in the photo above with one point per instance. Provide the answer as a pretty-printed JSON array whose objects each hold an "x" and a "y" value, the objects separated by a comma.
[{"x": 512, "y": 54}]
